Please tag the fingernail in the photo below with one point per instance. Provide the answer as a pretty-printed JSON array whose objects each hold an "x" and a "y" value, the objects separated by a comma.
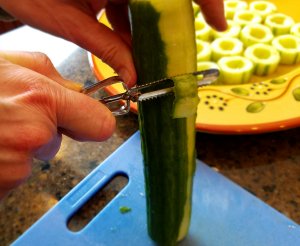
[
  {"x": 125, "y": 75},
  {"x": 221, "y": 27}
]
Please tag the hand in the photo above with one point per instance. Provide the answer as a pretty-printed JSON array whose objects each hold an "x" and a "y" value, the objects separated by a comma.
[
  {"x": 213, "y": 11},
  {"x": 35, "y": 109},
  {"x": 75, "y": 20}
]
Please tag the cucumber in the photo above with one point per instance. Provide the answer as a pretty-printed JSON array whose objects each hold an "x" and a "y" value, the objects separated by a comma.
[
  {"x": 196, "y": 9},
  {"x": 264, "y": 57},
  {"x": 203, "y": 50},
  {"x": 203, "y": 30},
  {"x": 256, "y": 33},
  {"x": 233, "y": 6},
  {"x": 295, "y": 30},
  {"x": 186, "y": 97},
  {"x": 246, "y": 17},
  {"x": 235, "y": 70},
  {"x": 258, "y": 25},
  {"x": 279, "y": 23},
  {"x": 163, "y": 40},
  {"x": 233, "y": 31},
  {"x": 226, "y": 46},
  {"x": 205, "y": 65},
  {"x": 263, "y": 8},
  {"x": 288, "y": 47}
]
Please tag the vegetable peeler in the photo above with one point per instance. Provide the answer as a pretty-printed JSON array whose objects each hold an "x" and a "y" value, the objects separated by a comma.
[{"x": 136, "y": 93}]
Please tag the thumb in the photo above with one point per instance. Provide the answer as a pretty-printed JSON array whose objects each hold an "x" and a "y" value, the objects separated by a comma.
[{"x": 83, "y": 118}]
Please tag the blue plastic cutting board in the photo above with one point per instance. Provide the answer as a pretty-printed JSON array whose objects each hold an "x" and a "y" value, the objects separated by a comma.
[{"x": 223, "y": 213}]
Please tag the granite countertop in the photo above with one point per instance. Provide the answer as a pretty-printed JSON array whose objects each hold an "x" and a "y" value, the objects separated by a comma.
[{"x": 267, "y": 165}]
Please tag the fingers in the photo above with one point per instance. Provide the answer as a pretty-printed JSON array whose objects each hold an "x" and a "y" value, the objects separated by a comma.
[
  {"x": 39, "y": 63},
  {"x": 49, "y": 150},
  {"x": 117, "y": 14},
  {"x": 112, "y": 48},
  {"x": 84, "y": 118},
  {"x": 35, "y": 61},
  {"x": 78, "y": 115},
  {"x": 75, "y": 21},
  {"x": 213, "y": 11},
  {"x": 15, "y": 168}
]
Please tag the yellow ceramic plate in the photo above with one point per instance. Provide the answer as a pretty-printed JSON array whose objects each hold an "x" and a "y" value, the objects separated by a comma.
[{"x": 266, "y": 104}]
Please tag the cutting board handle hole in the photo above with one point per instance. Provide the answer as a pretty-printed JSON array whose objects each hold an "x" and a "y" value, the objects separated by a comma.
[{"x": 97, "y": 202}]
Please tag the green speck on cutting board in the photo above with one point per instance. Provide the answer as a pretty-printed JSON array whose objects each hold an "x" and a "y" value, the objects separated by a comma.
[{"x": 124, "y": 209}]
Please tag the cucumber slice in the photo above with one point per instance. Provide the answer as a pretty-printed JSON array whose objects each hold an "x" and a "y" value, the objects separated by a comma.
[
  {"x": 196, "y": 8},
  {"x": 205, "y": 65},
  {"x": 263, "y": 8},
  {"x": 233, "y": 30},
  {"x": 264, "y": 57},
  {"x": 245, "y": 17},
  {"x": 279, "y": 23},
  {"x": 226, "y": 46},
  {"x": 203, "y": 30},
  {"x": 235, "y": 70},
  {"x": 232, "y": 6},
  {"x": 295, "y": 30},
  {"x": 288, "y": 47},
  {"x": 256, "y": 33},
  {"x": 203, "y": 50}
]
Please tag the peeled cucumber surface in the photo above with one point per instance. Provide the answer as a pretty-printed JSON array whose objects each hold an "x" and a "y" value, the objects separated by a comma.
[{"x": 252, "y": 23}]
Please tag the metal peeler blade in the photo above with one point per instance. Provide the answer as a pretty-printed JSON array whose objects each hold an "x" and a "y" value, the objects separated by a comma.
[{"x": 206, "y": 77}]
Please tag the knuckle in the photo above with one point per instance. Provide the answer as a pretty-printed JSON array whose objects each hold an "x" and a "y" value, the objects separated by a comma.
[
  {"x": 110, "y": 52},
  {"x": 41, "y": 58},
  {"x": 39, "y": 93},
  {"x": 42, "y": 63}
]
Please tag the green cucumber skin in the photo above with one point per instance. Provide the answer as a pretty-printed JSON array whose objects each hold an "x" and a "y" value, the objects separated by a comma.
[
  {"x": 164, "y": 168},
  {"x": 150, "y": 62},
  {"x": 164, "y": 138},
  {"x": 261, "y": 69}
]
